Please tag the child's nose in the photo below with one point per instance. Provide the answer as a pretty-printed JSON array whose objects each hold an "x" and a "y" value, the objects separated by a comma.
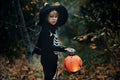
[{"x": 54, "y": 18}]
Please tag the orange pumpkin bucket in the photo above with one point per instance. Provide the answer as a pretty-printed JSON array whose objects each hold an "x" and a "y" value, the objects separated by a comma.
[{"x": 73, "y": 63}]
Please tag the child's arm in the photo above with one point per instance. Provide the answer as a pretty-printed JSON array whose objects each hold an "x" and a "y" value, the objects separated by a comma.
[
  {"x": 63, "y": 49},
  {"x": 36, "y": 50},
  {"x": 59, "y": 48}
]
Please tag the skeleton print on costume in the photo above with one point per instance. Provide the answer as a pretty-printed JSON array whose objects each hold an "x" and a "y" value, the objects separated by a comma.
[{"x": 56, "y": 41}]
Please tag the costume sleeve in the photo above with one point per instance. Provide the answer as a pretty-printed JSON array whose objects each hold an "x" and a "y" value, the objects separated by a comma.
[
  {"x": 57, "y": 45},
  {"x": 36, "y": 50},
  {"x": 59, "y": 48}
]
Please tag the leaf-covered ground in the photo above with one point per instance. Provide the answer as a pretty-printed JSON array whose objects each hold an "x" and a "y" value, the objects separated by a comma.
[{"x": 20, "y": 69}]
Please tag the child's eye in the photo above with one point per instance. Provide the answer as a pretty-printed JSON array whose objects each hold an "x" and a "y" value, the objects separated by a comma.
[
  {"x": 56, "y": 16},
  {"x": 51, "y": 16}
]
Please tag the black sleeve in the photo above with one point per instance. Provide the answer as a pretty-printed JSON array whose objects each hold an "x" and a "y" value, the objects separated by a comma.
[
  {"x": 36, "y": 50},
  {"x": 59, "y": 48}
]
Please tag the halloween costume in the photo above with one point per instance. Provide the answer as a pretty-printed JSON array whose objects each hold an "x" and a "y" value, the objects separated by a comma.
[{"x": 45, "y": 44}]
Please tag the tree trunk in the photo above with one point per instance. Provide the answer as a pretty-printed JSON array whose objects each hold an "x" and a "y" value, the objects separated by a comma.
[{"x": 23, "y": 29}]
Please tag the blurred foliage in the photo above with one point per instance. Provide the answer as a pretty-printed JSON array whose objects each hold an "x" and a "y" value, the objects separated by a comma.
[
  {"x": 97, "y": 32},
  {"x": 102, "y": 25},
  {"x": 11, "y": 38}
]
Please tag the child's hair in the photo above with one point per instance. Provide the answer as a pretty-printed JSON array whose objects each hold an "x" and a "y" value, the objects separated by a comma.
[{"x": 54, "y": 11}]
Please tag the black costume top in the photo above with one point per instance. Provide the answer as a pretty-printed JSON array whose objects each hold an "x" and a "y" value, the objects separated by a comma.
[{"x": 45, "y": 41}]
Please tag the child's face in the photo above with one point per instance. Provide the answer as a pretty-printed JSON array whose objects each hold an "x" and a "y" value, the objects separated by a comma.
[{"x": 53, "y": 17}]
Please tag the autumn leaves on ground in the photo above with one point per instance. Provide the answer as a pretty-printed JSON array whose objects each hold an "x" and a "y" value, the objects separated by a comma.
[{"x": 21, "y": 69}]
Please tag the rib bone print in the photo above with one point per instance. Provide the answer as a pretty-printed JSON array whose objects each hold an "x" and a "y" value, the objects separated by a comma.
[{"x": 56, "y": 42}]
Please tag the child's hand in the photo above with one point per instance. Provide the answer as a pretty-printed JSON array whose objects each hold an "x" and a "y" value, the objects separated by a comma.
[{"x": 71, "y": 50}]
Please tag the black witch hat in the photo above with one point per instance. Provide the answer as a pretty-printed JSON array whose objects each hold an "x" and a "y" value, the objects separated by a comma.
[{"x": 62, "y": 11}]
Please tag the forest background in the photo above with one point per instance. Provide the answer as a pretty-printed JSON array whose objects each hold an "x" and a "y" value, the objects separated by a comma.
[{"x": 93, "y": 29}]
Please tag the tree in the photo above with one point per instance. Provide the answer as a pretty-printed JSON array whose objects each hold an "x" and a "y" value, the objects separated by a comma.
[
  {"x": 23, "y": 29},
  {"x": 16, "y": 27}
]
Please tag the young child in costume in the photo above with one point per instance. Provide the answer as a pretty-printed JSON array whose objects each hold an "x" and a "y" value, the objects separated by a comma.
[{"x": 50, "y": 18}]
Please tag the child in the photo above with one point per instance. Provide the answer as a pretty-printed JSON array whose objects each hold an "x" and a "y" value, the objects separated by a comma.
[{"x": 50, "y": 18}]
